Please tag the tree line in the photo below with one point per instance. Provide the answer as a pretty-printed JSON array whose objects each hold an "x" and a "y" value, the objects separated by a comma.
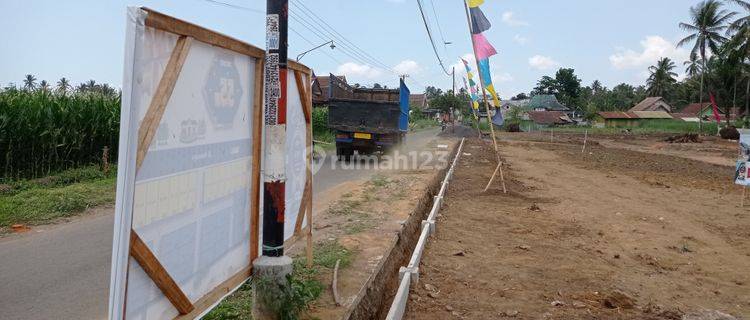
[{"x": 719, "y": 65}]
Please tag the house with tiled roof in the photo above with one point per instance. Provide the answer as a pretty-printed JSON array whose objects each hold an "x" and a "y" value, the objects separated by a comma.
[
  {"x": 621, "y": 119},
  {"x": 549, "y": 118},
  {"x": 545, "y": 102},
  {"x": 652, "y": 104},
  {"x": 418, "y": 101}
]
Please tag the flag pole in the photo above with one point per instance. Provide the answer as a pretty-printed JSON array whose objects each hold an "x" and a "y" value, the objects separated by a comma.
[
  {"x": 486, "y": 107},
  {"x": 481, "y": 83}
]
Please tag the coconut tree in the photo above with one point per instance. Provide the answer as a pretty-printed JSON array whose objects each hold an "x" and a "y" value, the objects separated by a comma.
[
  {"x": 740, "y": 42},
  {"x": 29, "y": 82},
  {"x": 63, "y": 85},
  {"x": 692, "y": 66},
  {"x": 44, "y": 86},
  {"x": 708, "y": 22},
  {"x": 662, "y": 77}
]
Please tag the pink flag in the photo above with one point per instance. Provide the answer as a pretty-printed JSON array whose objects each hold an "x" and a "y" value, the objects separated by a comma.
[
  {"x": 716, "y": 108},
  {"x": 483, "y": 48}
]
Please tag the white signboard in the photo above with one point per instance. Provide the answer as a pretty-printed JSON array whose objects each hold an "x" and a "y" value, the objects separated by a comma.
[
  {"x": 743, "y": 159},
  {"x": 184, "y": 212}
]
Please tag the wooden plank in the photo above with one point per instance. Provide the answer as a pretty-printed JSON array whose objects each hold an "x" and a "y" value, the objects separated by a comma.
[
  {"x": 257, "y": 148},
  {"x": 296, "y": 66},
  {"x": 161, "y": 97},
  {"x": 302, "y": 207},
  {"x": 158, "y": 20},
  {"x": 161, "y": 278},
  {"x": 309, "y": 247},
  {"x": 302, "y": 88},
  {"x": 217, "y": 293}
]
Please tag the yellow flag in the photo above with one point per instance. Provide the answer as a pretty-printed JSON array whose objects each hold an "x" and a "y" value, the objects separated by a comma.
[
  {"x": 475, "y": 3},
  {"x": 491, "y": 90},
  {"x": 476, "y": 105}
]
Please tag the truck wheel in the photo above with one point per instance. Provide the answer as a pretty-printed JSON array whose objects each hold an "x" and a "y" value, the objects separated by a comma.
[{"x": 344, "y": 154}]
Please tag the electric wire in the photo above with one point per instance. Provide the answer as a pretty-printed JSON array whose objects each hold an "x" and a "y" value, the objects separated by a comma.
[
  {"x": 359, "y": 55},
  {"x": 336, "y": 34},
  {"x": 432, "y": 41}
]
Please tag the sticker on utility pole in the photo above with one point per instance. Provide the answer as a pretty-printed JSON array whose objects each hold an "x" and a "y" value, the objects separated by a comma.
[
  {"x": 273, "y": 90},
  {"x": 272, "y": 32}
]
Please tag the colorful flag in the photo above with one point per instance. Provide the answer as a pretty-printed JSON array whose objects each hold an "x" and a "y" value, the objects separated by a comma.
[
  {"x": 715, "y": 107},
  {"x": 482, "y": 47},
  {"x": 479, "y": 22},
  {"x": 475, "y": 3}
]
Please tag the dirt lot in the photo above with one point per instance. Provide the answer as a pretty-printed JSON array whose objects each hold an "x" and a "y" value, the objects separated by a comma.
[{"x": 609, "y": 234}]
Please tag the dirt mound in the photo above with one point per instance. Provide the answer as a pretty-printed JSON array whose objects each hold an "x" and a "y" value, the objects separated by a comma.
[
  {"x": 513, "y": 127},
  {"x": 729, "y": 133},
  {"x": 685, "y": 138}
]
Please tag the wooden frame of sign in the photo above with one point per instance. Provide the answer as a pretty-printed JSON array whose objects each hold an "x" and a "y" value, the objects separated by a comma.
[{"x": 187, "y": 32}]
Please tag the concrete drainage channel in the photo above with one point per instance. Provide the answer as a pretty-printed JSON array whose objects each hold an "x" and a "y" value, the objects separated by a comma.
[
  {"x": 409, "y": 275},
  {"x": 371, "y": 301}
]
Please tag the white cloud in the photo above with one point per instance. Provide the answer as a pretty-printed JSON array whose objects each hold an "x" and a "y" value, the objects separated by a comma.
[
  {"x": 654, "y": 48},
  {"x": 351, "y": 69},
  {"x": 509, "y": 18},
  {"x": 541, "y": 62},
  {"x": 503, "y": 77},
  {"x": 520, "y": 39},
  {"x": 409, "y": 67}
]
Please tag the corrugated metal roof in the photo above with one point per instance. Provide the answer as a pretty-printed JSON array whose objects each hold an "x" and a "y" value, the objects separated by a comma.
[{"x": 549, "y": 117}]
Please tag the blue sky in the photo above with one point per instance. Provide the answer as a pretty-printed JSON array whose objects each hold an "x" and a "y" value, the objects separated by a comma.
[{"x": 613, "y": 41}]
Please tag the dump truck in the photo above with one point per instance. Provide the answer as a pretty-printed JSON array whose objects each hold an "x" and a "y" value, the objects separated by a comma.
[{"x": 367, "y": 121}]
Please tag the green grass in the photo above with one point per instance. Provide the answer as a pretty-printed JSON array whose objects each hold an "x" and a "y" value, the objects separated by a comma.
[
  {"x": 46, "y": 199},
  {"x": 237, "y": 306},
  {"x": 654, "y": 126},
  {"x": 295, "y": 300},
  {"x": 423, "y": 123}
]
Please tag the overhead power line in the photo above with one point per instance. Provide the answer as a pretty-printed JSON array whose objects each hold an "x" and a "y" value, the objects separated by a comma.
[
  {"x": 429, "y": 35},
  {"x": 328, "y": 30},
  {"x": 324, "y": 31}
]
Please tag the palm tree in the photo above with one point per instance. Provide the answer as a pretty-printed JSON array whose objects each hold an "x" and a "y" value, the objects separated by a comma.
[
  {"x": 29, "y": 82},
  {"x": 740, "y": 31},
  {"x": 707, "y": 23},
  {"x": 44, "y": 85},
  {"x": 63, "y": 85},
  {"x": 692, "y": 66},
  {"x": 662, "y": 77}
]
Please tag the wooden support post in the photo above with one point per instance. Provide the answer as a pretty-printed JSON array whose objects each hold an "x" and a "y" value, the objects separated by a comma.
[
  {"x": 499, "y": 168},
  {"x": 159, "y": 101},
  {"x": 255, "y": 188},
  {"x": 153, "y": 268}
]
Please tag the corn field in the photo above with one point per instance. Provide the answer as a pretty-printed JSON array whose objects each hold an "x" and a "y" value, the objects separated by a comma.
[{"x": 42, "y": 132}]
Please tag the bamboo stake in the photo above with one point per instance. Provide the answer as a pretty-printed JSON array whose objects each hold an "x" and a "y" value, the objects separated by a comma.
[
  {"x": 585, "y": 137},
  {"x": 334, "y": 284},
  {"x": 742, "y": 202},
  {"x": 552, "y": 135},
  {"x": 499, "y": 168}
]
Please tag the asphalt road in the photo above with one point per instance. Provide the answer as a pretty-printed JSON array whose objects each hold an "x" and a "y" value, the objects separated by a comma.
[{"x": 63, "y": 272}]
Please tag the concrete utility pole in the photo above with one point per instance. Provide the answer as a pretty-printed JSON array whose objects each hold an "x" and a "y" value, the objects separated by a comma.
[{"x": 273, "y": 266}]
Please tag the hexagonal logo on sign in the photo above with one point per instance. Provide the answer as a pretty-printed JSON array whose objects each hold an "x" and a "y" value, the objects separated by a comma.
[{"x": 223, "y": 91}]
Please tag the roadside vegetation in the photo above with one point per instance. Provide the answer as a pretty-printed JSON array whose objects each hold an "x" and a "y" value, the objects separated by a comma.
[
  {"x": 306, "y": 286},
  {"x": 46, "y": 130},
  {"x": 43, "y": 200}
]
